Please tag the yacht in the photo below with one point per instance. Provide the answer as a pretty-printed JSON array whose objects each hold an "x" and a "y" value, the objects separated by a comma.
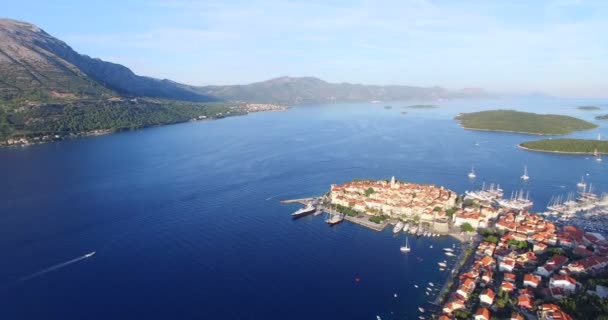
[
  {"x": 309, "y": 208},
  {"x": 472, "y": 174},
  {"x": 582, "y": 184},
  {"x": 525, "y": 176},
  {"x": 406, "y": 248},
  {"x": 449, "y": 254},
  {"x": 398, "y": 227},
  {"x": 88, "y": 255},
  {"x": 442, "y": 264}
]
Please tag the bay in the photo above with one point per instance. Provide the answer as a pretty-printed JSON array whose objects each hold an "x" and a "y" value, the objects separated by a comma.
[{"x": 186, "y": 222}]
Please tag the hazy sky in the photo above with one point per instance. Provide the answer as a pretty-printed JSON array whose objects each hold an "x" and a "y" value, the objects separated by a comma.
[{"x": 558, "y": 47}]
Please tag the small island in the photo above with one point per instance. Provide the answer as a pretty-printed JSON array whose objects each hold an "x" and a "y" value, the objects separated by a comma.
[
  {"x": 602, "y": 117},
  {"x": 589, "y": 108},
  {"x": 522, "y": 122},
  {"x": 421, "y": 106},
  {"x": 571, "y": 146}
]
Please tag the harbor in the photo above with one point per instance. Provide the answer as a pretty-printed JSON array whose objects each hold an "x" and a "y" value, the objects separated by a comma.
[{"x": 379, "y": 204}]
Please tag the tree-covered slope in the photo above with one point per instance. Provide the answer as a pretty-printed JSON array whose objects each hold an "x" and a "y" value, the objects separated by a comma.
[
  {"x": 568, "y": 145},
  {"x": 523, "y": 122}
]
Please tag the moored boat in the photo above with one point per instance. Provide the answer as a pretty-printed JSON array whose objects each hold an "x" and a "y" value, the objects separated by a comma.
[
  {"x": 309, "y": 208},
  {"x": 398, "y": 227}
]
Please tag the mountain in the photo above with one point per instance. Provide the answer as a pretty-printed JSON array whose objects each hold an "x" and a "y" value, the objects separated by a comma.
[
  {"x": 33, "y": 63},
  {"x": 49, "y": 91},
  {"x": 289, "y": 90}
]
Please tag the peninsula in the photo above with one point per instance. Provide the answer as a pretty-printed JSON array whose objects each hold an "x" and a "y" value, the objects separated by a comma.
[
  {"x": 421, "y": 106},
  {"x": 571, "y": 146},
  {"x": 589, "y": 108},
  {"x": 522, "y": 122}
]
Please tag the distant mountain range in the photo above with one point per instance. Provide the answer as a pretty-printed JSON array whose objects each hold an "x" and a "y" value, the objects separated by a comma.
[
  {"x": 289, "y": 90},
  {"x": 33, "y": 63}
]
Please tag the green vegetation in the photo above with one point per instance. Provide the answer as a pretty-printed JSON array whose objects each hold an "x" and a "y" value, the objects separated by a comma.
[
  {"x": 518, "y": 244},
  {"x": 585, "y": 306},
  {"x": 491, "y": 238},
  {"x": 467, "y": 227},
  {"x": 450, "y": 212},
  {"x": 567, "y": 145},
  {"x": 523, "y": 122},
  {"x": 369, "y": 191},
  {"x": 468, "y": 202},
  {"x": 421, "y": 106},
  {"x": 602, "y": 117},
  {"x": 490, "y": 235},
  {"x": 87, "y": 115},
  {"x": 462, "y": 314},
  {"x": 347, "y": 211},
  {"x": 589, "y": 108},
  {"x": 378, "y": 219}
]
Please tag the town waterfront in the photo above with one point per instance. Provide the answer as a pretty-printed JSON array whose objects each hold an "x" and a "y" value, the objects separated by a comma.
[{"x": 186, "y": 222}]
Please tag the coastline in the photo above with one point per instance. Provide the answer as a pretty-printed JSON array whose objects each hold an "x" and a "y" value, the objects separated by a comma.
[
  {"x": 509, "y": 131},
  {"x": 37, "y": 140},
  {"x": 558, "y": 152}
]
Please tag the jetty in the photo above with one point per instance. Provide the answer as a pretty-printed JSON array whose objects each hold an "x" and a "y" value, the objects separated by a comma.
[{"x": 301, "y": 201}]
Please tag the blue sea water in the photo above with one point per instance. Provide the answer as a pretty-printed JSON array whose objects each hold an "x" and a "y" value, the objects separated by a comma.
[{"x": 186, "y": 220}]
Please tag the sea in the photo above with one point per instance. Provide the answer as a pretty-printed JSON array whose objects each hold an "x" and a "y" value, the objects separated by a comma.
[{"x": 186, "y": 221}]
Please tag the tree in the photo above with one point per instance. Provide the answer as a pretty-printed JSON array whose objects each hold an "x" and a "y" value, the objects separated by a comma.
[
  {"x": 462, "y": 314},
  {"x": 450, "y": 212},
  {"x": 491, "y": 238},
  {"x": 467, "y": 227},
  {"x": 369, "y": 191}
]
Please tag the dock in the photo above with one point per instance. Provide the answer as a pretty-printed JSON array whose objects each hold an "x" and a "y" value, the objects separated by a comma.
[
  {"x": 362, "y": 220},
  {"x": 301, "y": 201}
]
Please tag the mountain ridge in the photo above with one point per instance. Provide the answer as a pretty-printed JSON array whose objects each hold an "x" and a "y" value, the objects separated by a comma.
[{"x": 36, "y": 60}]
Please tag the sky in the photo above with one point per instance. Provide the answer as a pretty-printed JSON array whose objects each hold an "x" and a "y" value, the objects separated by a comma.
[{"x": 556, "y": 47}]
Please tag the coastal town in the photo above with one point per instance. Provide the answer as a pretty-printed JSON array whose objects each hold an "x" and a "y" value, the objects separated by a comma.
[{"x": 514, "y": 265}]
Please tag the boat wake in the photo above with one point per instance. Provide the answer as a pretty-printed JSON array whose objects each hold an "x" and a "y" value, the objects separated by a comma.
[{"x": 49, "y": 269}]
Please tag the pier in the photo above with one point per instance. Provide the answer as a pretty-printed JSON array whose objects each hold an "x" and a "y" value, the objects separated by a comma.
[
  {"x": 301, "y": 201},
  {"x": 363, "y": 221}
]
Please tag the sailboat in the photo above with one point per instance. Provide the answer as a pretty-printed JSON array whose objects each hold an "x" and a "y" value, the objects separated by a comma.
[
  {"x": 598, "y": 156},
  {"x": 582, "y": 184},
  {"x": 472, "y": 174},
  {"x": 525, "y": 176},
  {"x": 406, "y": 248},
  {"x": 334, "y": 218}
]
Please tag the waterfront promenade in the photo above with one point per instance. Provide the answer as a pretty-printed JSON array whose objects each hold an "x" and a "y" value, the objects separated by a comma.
[{"x": 463, "y": 260}]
